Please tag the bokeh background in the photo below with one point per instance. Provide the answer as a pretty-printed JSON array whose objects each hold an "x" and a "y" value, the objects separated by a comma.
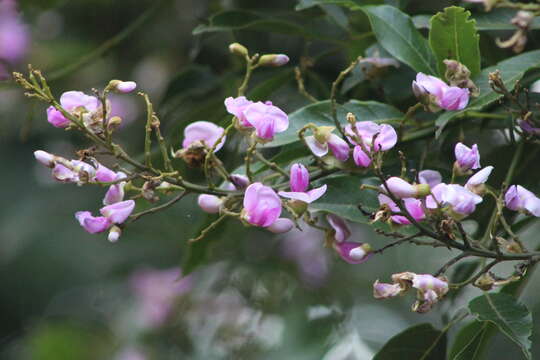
[{"x": 69, "y": 295}]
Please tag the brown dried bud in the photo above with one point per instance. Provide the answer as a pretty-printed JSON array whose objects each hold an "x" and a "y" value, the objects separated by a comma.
[
  {"x": 485, "y": 282},
  {"x": 459, "y": 75},
  {"x": 238, "y": 49},
  {"x": 194, "y": 155}
]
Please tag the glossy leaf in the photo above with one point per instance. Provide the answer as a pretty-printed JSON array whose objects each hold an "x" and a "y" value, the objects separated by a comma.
[
  {"x": 470, "y": 341},
  {"x": 351, "y": 4},
  {"x": 511, "y": 70},
  {"x": 417, "y": 342},
  {"x": 320, "y": 114},
  {"x": 453, "y": 36},
  {"x": 396, "y": 33},
  {"x": 510, "y": 316}
]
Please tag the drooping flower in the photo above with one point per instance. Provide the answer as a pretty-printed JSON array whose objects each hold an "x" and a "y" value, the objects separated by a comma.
[
  {"x": 385, "y": 291},
  {"x": 461, "y": 201},
  {"x": 353, "y": 252},
  {"x": 74, "y": 102},
  {"x": 204, "y": 132},
  {"x": 262, "y": 206},
  {"x": 414, "y": 208},
  {"x": 430, "y": 177},
  {"x": 402, "y": 189},
  {"x": 518, "y": 198},
  {"x": 372, "y": 136},
  {"x": 476, "y": 182},
  {"x": 236, "y": 107},
  {"x": 433, "y": 93},
  {"x": 299, "y": 182},
  {"x": 324, "y": 140},
  {"x": 341, "y": 230},
  {"x": 118, "y": 212},
  {"x": 267, "y": 119},
  {"x": 92, "y": 224},
  {"x": 466, "y": 158},
  {"x": 430, "y": 291}
]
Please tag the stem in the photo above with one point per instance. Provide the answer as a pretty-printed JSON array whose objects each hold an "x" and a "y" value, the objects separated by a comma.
[
  {"x": 148, "y": 131},
  {"x": 208, "y": 229},
  {"x": 301, "y": 87},
  {"x": 247, "y": 159},
  {"x": 169, "y": 203}
]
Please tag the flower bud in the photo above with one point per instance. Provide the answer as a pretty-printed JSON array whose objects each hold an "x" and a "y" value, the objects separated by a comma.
[
  {"x": 281, "y": 225},
  {"x": 240, "y": 182},
  {"x": 45, "y": 158},
  {"x": 299, "y": 179},
  {"x": 194, "y": 155},
  {"x": 56, "y": 118},
  {"x": 273, "y": 60},
  {"x": 209, "y": 203},
  {"x": 353, "y": 252},
  {"x": 466, "y": 158},
  {"x": 485, "y": 282},
  {"x": 123, "y": 87},
  {"x": 360, "y": 157},
  {"x": 238, "y": 49},
  {"x": 114, "y": 234},
  {"x": 114, "y": 123},
  {"x": 402, "y": 189}
]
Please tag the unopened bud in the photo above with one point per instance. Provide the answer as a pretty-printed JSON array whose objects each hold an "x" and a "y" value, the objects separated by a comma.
[
  {"x": 114, "y": 123},
  {"x": 238, "y": 49},
  {"x": 209, "y": 203},
  {"x": 239, "y": 181},
  {"x": 322, "y": 133},
  {"x": 351, "y": 118},
  {"x": 194, "y": 155},
  {"x": 45, "y": 158},
  {"x": 273, "y": 60},
  {"x": 114, "y": 234},
  {"x": 281, "y": 225},
  {"x": 485, "y": 282},
  {"x": 352, "y": 252}
]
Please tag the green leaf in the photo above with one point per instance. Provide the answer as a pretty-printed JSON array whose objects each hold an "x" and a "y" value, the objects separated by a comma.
[
  {"x": 396, "y": 33},
  {"x": 470, "y": 341},
  {"x": 320, "y": 114},
  {"x": 511, "y": 70},
  {"x": 417, "y": 342},
  {"x": 453, "y": 36},
  {"x": 497, "y": 19},
  {"x": 351, "y": 4},
  {"x": 247, "y": 20},
  {"x": 510, "y": 316}
]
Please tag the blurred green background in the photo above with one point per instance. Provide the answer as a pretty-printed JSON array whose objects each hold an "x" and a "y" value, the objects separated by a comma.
[{"x": 68, "y": 295}]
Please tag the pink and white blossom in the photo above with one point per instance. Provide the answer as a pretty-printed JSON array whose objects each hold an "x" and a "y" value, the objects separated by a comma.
[
  {"x": 92, "y": 224},
  {"x": 262, "y": 206},
  {"x": 299, "y": 182},
  {"x": 210, "y": 204},
  {"x": 433, "y": 91},
  {"x": 320, "y": 144},
  {"x": 476, "y": 182},
  {"x": 518, "y": 198},
  {"x": 118, "y": 212},
  {"x": 430, "y": 177},
  {"x": 353, "y": 252},
  {"x": 414, "y": 208},
  {"x": 74, "y": 102},
  {"x": 236, "y": 107},
  {"x": 460, "y": 200},
  {"x": 267, "y": 119},
  {"x": 205, "y": 132},
  {"x": 372, "y": 136},
  {"x": 467, "y": 158}
]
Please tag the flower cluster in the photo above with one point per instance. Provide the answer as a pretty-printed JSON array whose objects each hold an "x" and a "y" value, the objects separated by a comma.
[{"x": 435, "y": 94}]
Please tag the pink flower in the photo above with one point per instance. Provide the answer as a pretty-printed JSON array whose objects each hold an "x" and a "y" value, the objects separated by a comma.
[
  {"x": 262, "y": 205},
  {"x": 45, "y": 158},
  {"x": 430, "y": 291},
  {"x": 118, "y": 212},
  {"x": 460, "y": 200},
  {"x": 299, "y": 182},
  {"x": 341, "y": 230},
  {"x": 518, "y": 198},
  {"x": 430, "y": 177},
  {"x": 413, "y": 206},
  {"x": 429, "y": 89},
  {"x": 73, "y": 102},
  {"x": 73, "y": 171},
  {"x": 236, "y": 107},
  {"x": 115, "y": 193},
  {"x": 360, "y": 157},
  {"x": 125, "y": 87},
  {"x": 353, "y": 252},
  {"x": 467, "y": 158},
  {"x": 365, "y": 131},
  {"x": 209, "y": 203},
  {"x": 337, "y": 145},
  {"x": 267, "y": 119},
  {"x": 205, "y": 132},
  {"x": 104, "y": 174},
  {"x": 92, "y": 224},
  {"x": 14, "y": 35},
  {"x": 281, "y": 225}
]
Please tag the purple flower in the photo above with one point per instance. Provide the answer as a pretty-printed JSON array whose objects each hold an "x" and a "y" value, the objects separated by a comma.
[
  {"x": 413, "y": 206},
  {"x": 341, "y": 230},
  {"x": 460, "y": 200},
  {"x": 104, "y": 174},
  {"x": 209, "y": 203},
  {"x": 240, "y": 182},
  {"x": 281, "y": 225},
  {"x": 14, "y": 35},
  {"x": 267, "y": 119},
  {"x": 467, "y": 158},
  {"x": 476, "y": 182},
  {"x": 353, "y": 252},
  {"x": 518, "y": 198},
  {"x": 115, "y": 193},
  {"x": 236, "y": 107},
  {"x": 528, "y": 127},
  {"x": 365, "y": 131},
  {"x": 118, "y": 212},
  {"x": 156, "y": 292},
  {"x": 430, "y": 177},
  {"x": 262, "y": 205},
  {"x": 45, "y": 158},
  {"x": 205, "y": 132},
  {"x": 92, "y": 224},
  {"x": 360, "y": 157},
  {"x": 386, "y": 291},
  {"x": 299, "y": 182},
  {"x": 325, "y": 140},
  {"x": 125, "y": 87},
  {"x": 73, "y": 102},
  {"x": 433, "y": 91}
]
